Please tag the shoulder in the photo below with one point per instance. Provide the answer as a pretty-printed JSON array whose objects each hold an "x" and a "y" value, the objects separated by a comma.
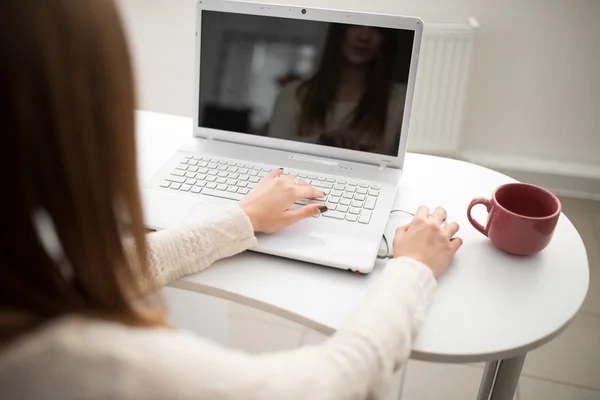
[{"x": 101, "y": 359}]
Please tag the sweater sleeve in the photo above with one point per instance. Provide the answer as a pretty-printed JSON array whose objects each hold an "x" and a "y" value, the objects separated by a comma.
[
  {"x": 356, "y": 363},
  {"x": 221, "y": 233}
]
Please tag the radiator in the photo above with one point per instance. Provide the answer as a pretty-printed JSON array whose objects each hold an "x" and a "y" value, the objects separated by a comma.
[{"x": 441, "y": 88}]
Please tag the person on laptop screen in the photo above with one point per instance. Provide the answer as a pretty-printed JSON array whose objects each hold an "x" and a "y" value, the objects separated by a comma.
[{"x": 352, "y": 101}]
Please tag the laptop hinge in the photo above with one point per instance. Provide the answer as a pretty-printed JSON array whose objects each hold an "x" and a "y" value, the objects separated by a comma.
[{"x": 382, "y": 167}]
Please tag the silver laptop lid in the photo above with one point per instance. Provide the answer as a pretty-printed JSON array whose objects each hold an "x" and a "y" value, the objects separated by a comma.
[{"x": 328, "y": 83}]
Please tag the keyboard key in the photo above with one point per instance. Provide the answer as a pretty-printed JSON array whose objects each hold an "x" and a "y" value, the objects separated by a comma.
[
  {"x": 319, "y": 184},
  {"x": 222, "y": 162},
  {"x": 334, "y": 200},
  {"x": 190, "y": 181},
  {"x": 312, "y": 176},
  {"x": 223, "y": 174},
  {"x": 198, "y": 158},
  {"x": 185, "y": 187},
  {"x": 175, "y": 186},
  {"x": 201, "y": 184},
  {"x": 303, "y": 175},
  {"x": 196, "y": 189},
  {"x": 222, "y": 187},
  {"x": 221, "y": 194},
  {"x": 351, "y": 218},
  {"x": 360, "y": 197},
  {"x": 343, "y": 208},
  {"x": 334, "y": 214},
  {"x": 252, "y": 173},
  {"x": 182, "y": 167},
  {"x": 322, "y": 178},
  {"x": 232, "y": 189},
  {"x": 242, "y": 184},
  {"x": 254, "y": 179},
  {"x": 200, "y": 177},
  {"x": 210, "y": 178},
  {"x": 341, "y": 181},
  {"x": 249, "y": 166},
  {"x": 202, "y": 170},
  {"x": 174, "y": 179},
  {"x": 232, "y": 163},
  {"x": 243, "y": 177},
  {"x": 354, "y": 210},
  {"x": 339, "y": 187},
  {"x": 365, "y": 217},
  {"x": 361, "y": 191},
  {"x": 243, "y": 191},
  {"x": 330, "y": 180},
  {"x": 243, "y": 170},
  {"x": 165, "y": 184},
  {"x": 192, "y": 162},
  {"x": 357, "y": 204},
  {"x": 351, "y": 189},
  {"x": 193, "y": 169},
  {"x": 352, "y": 183},
  {"x": 211, "y": 185},
  {"x": 348, "y": 195},
  {"x": 212, "y": 165},
  {"x": 222, "y": 167},
  {"x": 256, "y": 168},
  {"x": 184, "y": 161},
  {"x": 190, "y": 174},
  {"x": 203, "y": 164},
  {"x": 233, "y": 169},
  {"x": 325, "y": 191},
  {"x": 345, "y": 202},
  {"x": 188, "y": 157},
  {"x": 375, "y": 187},
  {"x": 178, "y": 173},
  {"x": 231, "y": 182},
  {"x": 374, "y": 193},
  {"x": 213, "y": 172},
  {"x": 221, "y": 180},
  {"x": 262, "y": 174},
  {"x": 251, "y": 185},
  {"x": 337, "y": 193},
  {"x": 240, "y": 164},
  {"x": 331, "y": 207},
  {"x": 364, "y": 185},
  {"x": 370, "y": 203}
]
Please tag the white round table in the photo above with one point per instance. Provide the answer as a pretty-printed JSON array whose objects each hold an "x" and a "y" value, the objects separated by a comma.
[{"x": 489, "y": 306}]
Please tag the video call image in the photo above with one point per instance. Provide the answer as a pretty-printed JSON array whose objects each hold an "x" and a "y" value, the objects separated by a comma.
[{"x": 313, "y": 82}]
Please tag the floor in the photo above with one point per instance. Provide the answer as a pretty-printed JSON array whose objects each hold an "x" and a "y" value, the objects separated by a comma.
[{"x": 567, "y": 368}]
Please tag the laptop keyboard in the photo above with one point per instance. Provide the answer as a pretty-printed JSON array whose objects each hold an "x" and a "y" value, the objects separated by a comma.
[{"x": 348, "y": 200}]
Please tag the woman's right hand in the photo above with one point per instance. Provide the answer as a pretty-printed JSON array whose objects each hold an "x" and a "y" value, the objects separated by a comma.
[{"x": 426, "y": 241}]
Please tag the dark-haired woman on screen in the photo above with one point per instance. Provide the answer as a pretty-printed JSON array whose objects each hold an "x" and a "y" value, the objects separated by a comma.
[{"x": 352, "y": 102}]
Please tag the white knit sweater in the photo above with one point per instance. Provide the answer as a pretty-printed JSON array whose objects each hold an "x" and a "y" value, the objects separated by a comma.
[{"x": 74, "y": 358}]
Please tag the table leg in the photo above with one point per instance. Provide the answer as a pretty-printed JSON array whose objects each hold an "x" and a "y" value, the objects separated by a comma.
[{"x": 500, "y": 379}]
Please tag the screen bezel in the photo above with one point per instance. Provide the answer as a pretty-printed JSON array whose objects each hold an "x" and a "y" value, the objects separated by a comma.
[{"x": 321, "y": 15}]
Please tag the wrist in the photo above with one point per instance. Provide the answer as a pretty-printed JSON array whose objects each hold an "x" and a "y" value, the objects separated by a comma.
[{"x": 251, "y": 217}]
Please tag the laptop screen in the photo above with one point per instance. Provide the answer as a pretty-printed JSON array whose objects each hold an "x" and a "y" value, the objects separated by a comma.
[{"x": 314, "y": 82}]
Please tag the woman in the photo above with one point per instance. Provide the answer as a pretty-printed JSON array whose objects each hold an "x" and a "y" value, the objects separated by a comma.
[
  {"x": 352, "y": 102},
  {"x": 72, "y": 322}
]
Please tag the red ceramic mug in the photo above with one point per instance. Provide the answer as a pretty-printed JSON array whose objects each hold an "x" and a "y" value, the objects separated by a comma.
[{"x": 521, "y": 218}]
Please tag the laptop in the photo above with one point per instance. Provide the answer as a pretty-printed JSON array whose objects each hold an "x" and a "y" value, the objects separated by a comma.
[{"x": 324, "y": 94}]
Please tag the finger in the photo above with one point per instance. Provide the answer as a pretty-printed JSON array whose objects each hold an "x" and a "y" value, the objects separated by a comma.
[
  {"x": 439, "y": 215},
  {"x": 304, "y": 212},
  {"x": 455, "y": 244},
  {"x": 422, "y": 212},
  {"x": 400, "y": 231},
  {"x": 450, "y": 229},
  {"x": 307, "y": 192},
  {"x": 274, "y": 173},
  {"x": 301, "y": 182}
]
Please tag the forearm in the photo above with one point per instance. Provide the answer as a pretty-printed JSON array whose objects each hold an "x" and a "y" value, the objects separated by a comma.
[
  {"x": 356, "y": 363},
  {"x": 174, "y": 253}
]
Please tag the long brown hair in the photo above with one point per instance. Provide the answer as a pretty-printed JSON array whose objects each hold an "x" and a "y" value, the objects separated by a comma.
[
  {"x": 67, "y": 150},
  {"x": 317, "y": 95}
]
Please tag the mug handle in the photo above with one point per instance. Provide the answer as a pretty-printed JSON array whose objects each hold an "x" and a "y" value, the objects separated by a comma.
[{"x": 474, "y": 202}]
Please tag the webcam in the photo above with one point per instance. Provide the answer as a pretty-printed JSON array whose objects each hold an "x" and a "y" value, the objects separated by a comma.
[{"x": 304, "y": 11}]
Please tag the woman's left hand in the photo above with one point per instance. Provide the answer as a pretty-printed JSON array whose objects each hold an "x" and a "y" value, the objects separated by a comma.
[{"x": 268, "y": 205}]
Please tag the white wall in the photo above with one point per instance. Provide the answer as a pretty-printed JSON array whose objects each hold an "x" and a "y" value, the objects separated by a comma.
[{"x": 535, "y": 91}]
